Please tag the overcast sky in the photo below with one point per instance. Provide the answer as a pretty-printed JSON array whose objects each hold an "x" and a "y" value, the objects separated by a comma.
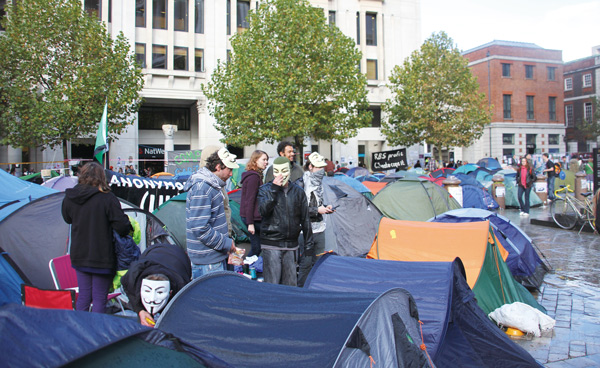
[{"x": 572, "y": 26}]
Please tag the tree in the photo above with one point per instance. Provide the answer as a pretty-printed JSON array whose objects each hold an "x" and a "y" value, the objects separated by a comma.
[
  {"x": 589, "y": 129},
  {"x": 290, "y": 75},
  {"x": 58, "y": 68},
  {"x": 435, "y": 99}
]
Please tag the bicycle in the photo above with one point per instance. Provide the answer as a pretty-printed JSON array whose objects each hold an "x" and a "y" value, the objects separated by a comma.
[{"x": 567, "y": 210}]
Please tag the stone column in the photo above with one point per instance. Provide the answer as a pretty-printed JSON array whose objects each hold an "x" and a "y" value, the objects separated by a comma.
[
  {"x": 202, "y": 128},
  {"x": 452, "y": 185},
  {"x": 541, "y": 188},
  {"x": 168, "y": 130},
  {"x": 499, "y": 191},
  {"x": 14, "y": 156}
]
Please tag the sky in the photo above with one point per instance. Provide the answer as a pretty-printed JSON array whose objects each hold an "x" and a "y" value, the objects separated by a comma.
[{"x": 572, "y": 26}]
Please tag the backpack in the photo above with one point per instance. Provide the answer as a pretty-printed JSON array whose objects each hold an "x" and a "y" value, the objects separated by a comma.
[{"x": 557, "y": 168}]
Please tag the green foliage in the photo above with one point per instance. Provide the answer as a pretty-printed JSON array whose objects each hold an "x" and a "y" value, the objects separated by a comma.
[
  {"x": 290, "y": 75},
  {"x": 58, "y": 67},
  {"x": 435, "y": 99},
  {"x": 590, "y": 129}
]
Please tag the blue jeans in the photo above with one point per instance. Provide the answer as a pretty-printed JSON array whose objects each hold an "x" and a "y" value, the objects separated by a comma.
[
  {"x": 201, "y": 270},
  {"x": 551, "y": 187},
  {"x": 254, "y": 239},
  {"x": 279, "y": 267},
  {"x": 524, "y": 204}
]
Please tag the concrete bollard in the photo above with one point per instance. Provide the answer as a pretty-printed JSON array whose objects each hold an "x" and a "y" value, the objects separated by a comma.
[
  {"x": 541, "y": 188},
  {"x": 452, "y": 185},
  {"x": 499, "y": 191},
  {"x": 579, "y": 185}
]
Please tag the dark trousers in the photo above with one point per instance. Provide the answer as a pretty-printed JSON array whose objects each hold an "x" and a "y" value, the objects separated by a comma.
[
  {"x": 524, "y": 205},
  {"x": 279, "y": 267},
  {"x": 254, "y": 240},
  {"x": 307, "y": 262},
  {"x": 93, "y": 289}
]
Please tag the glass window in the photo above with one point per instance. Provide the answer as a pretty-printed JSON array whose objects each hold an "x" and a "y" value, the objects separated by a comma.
[
  {"x": 180, "y": 57},
  {"x": 159, "y": 57},
  {"x": 243, "y": 7},
  {"x": 159, "y": 14},
  {"x": 153, "y": 118},
  {"x": 530, "y": 108},
  {"x": 569, "y": 115},
  {"x": 530, "y": 138},
  {"x": 371, "y": 25},
  {"x": 199, "y": 60},
  {"x": 508, "y": 152},
  {"x": 140, "y": 54},
  {"x": 199, "y": 20},
  {"x": 331, "y": 18},
  {"x": 372, "y": 69},
  {"x": 92, "y": 7},
  {"x": 508, "y": 138},
  {"x": 357, "y": 28},
  {"x": 507, "y": 102},
  {"x": 505, "y": 70},
  {"x": 587, "y": 80},
  {"x": 181, "y": 15},
  {"x": 568, "y": 84},
  {"x": 587, "y": 111},
  {"x": 529, "y": 71},
  {"x": 376, "y": 111},
  {"x": 140, "y": 13},
  {"x": 553, "y": 139},
  {"x": 228, "y": 17},
  {"x": 551, "y": 73},
  {"x": 552, "y": 108}
]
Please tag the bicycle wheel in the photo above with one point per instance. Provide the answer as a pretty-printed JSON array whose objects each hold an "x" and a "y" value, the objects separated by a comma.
[{"x": 563, "y": 214}]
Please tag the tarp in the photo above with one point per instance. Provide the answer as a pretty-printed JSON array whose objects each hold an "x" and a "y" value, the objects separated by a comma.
[
  {"x": 414, "y": 199},
  {"x": 16, "y": 193},
  {"x": 475, "y": 244},
  {"x": 456, "y": 331},
  {"x": 251, "y": 324}
]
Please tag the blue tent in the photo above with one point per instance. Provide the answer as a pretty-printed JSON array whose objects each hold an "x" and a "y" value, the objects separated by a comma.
[
  {"x": 357, "y": 185},
  {"x": 16, "y": 193},
  {"x": 474, "y": 194},
  {"x": 456, "y": 331},
  {"x": 10, "y": 282},
  {"x": 251, "y": 324},
  {"x": 523, "y": 261},
  {"x": 490, "y": 163},
  {"x": 465, "y": 169}
]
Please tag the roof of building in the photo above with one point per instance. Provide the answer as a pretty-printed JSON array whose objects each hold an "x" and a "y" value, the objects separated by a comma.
[{"x": 504, "y": 43}]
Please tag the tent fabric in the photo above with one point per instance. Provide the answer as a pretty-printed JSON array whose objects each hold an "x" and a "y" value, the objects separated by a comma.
[
  {"x": 456, "y": 331},
  {"x": 522, "y": 261},
  {"x": 61, "y": 183},
  {"x": 414, "y": 199},
  {"x": 10, "y": 282},
  {"x": 252, "y": 324},
  {"x": 374, "y": 186},
  {"x": 490, "y": 163},
  {"x": 465, "y": 169},
  {"x": 357, "y": 185},
  {"x": 511, "y": 193},
  {"x": 357, "y": 171},
  {"x": 444, "y": 171},
  {"x": 16, "y": 193},
  {"x": 474, "y": 194},
  {"x": 476, "y": 245},
  {"x": 75, "y": 335}
]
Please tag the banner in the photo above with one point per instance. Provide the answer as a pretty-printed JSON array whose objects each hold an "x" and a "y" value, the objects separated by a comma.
[
  {"x": 101, "y": 146},
  {"x": 183, "y": 162},
  {"x": 387, "y": 160}
]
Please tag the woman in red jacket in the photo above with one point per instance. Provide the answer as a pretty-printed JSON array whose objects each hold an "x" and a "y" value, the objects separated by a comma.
[
  {"x": 251, "y": 180},
  {"x": 525, "y": 180}
]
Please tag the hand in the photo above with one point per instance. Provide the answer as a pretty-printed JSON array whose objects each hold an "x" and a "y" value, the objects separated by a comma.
[
  {"x": 251, "y": 229},
  {"x": 145, "y": 319},
  {"x": 233, "y": 248},
  {"x": 325, "y": 210},
  {"x": 278, "y": 180}
]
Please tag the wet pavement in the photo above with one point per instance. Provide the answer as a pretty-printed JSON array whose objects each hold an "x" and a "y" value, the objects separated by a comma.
[{"x": 571, "y": 294}]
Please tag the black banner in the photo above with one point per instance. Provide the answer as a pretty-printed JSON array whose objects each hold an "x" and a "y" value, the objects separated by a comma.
[
  {"x": 596, "y": 170},
  {"x": 387, "y": 160}
]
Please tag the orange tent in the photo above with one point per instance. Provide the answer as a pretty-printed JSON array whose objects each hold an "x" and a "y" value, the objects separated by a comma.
[{"x": 374, "y": 186}]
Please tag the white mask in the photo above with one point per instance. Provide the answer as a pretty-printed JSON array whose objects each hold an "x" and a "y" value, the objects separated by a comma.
[
  {"x": 155, "y": 294},
  {"x": 283, "y": 170}
]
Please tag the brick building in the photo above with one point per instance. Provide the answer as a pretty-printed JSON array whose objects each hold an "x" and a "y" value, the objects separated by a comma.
[
  {"x": 581, "y": 85},
  {"x": 524, "y": 86}
]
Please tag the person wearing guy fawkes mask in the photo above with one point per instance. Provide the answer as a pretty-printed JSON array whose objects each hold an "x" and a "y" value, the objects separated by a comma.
[{"x": 284, "y": 211}]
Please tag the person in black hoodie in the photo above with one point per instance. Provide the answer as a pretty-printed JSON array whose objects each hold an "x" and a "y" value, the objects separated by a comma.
[{"x": 93, "y": 212}]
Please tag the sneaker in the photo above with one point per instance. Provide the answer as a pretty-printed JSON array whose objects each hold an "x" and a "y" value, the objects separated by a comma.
[{"x": 525, "y": 214}]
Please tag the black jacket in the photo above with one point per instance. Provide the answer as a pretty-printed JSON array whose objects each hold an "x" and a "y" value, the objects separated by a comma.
[
  {"x": 167, "y": 259},
  {"x": 93, "y": 215},
  {"x": 530, "y": 178},
  {"x": 284, "y": 215}
]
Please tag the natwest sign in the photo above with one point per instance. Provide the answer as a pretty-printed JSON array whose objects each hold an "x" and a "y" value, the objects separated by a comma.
[{"x": 387, "y": 160}]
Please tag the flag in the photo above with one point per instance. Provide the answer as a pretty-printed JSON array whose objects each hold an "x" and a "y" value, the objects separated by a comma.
[{"x": 101, "y": 142}]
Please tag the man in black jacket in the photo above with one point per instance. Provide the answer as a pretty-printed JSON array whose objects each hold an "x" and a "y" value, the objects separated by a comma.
[{"x": 284, "y": 211}]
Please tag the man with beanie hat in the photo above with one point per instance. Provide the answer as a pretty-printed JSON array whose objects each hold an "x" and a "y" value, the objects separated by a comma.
[{"x": 284, "y": 211}]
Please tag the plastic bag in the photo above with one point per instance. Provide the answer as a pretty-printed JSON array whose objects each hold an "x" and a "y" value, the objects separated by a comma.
[
  {"x": 523, "y": 317},
  {"x": 237, "y": 258}
]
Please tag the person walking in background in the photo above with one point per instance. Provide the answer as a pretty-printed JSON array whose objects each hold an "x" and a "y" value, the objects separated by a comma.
[
  {"x": 93, "y": 212},
  {"x": 525, "y": 180},
  {"x": 251, "y": 181},
  {"x": 549, "y": 170}
]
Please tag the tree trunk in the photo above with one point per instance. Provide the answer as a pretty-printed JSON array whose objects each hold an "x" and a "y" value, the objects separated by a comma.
[
  {"x": 440, "y": 157},
  {"x": 299, "y": 142},
  {"x": 65, "y": 153}
]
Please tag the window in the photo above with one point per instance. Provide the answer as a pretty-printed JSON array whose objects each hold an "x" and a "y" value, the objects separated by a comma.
[
  {"x": 140, "y": 54},
  {"x": 180, "y": 57},
  {"x": 92, "y": 7},
  {"x": 507, "y": 102},
  {"x": 554, "y": 139},
  {"x": 587, "y": 111},
  {"x": 568, "y": 84},
  {"x": 569, "y": 115},
  {"x": 528, "y": 71},
  {"x": 140, "y": 13},
  {"x": 530, "y": 138},
  {"x": 372, "y": 69},
  {"x": 506, "y": 70},
  {"x": 228, "y": 17},
  {"x": 508, "y": 152},
  {"x": 199, "y": 60},
  {"x": 530, "y": 114},
  {"x": 551, "y": 73},
  {"x": 376, "y": 111},
  {"x": 243, "y": 7},
  {"x": 180, "y": 11},
  {"x": 371, "y": 25},
  {"x": 153, "y": 118},
  {"x": 587, "y": 80},
  {"x": 199, "y": 20},
  {"x": 159, "y": 57},
  {"x": 357, "y": 28},
  {"x": 552, "y": 108},
  {"x": 331, "y": 18},
  {"x": 159, "y": 14},
  {"x": 508, "y": 138}
]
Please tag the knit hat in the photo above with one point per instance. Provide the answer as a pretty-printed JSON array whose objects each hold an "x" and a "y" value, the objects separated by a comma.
[{"x": 281, "y": 160}]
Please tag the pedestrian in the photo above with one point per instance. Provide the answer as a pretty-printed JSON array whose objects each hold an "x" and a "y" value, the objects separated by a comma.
[
  {"x": 589, "y": 170},
  {"x": 93, "y": 213},
  {"x": 417, "y": 164},
  {"x": 251, "y": 181},
  {"x": 313, "y": 188},
  {"x": 286, "y": 149},
  {"x": 284, "y": 211},
  {"x": 525, "y": 179},
  {"x": 204, "y": 155},
  {"x": 551, "y": 175},
  {"x": 207, "y": 233},
  {"x": 329, "y": 168},
  {"x": 431, "y": 165},
  {"x": 564, "y": 163}
]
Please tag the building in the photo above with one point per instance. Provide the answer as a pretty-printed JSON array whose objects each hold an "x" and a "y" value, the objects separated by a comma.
[
  {"x": 180, "y": 42},
  {"x": 581, "y": 85},
  {"x": 524, "y": 86}
]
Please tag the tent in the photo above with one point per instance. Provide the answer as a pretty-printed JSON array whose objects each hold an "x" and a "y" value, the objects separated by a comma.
[
  {"x": 357, "y": 171},
  {"x": 511, "y": 191},
  {"x": 33, "y": 337},
  {"x": 456, "y": 331},
  {"x": 444, "y": 171},
  {"x": 37, "y": 177},
  {"x": 490, "y": 163},
  {"x": 414, "y": 199},
  {"x": 251, "y": 324},
  {"x": 522, "y": 261},
  {"x": 374, "y": 187},
  {"x": 61, "y": 183},
  {"x": 17, "y": 193},
  {"x": 475, "y": 244},
  {"x": 10, "y": 281},
  {"x": 474, "y": 194},
  {"x": 465, "y": 169},
  {"x": 357, "y": 185}
]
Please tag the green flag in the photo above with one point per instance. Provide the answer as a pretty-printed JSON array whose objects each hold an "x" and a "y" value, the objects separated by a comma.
[{"x": 101, "y": 142}]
